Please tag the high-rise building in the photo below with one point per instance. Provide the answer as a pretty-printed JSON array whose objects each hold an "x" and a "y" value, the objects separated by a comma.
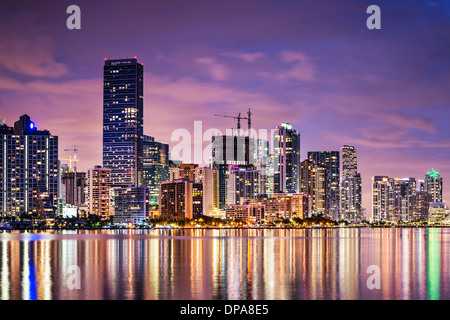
[
  {"x": 29, "y": 172},
  {"x": 383, "y": 198},
  {"x": 131, "y": 205},
  {"x": 348, "y": 161},
  {"x": 313, "y": 181},
  {"x": 123, "y": 114},
  {"x": 100, "y": 192},
  {"x": 329, "y": 160},
  {"x": 180, "y": 199},
  {"x": 393, "y": 199},
  {"x": 433, "y": 185},
  {"x": 350, "y": 199},
  {"x": 350, "y": 186},
  {"x": 230, "y": 150},
  {"x": 74, "y": 183},
  {"x": 404, "y": 191},
  {"x": 242, "y": 183},
  {"x": 209, "y": 178},
  {"x": 155, "y": 166},
  {"x": 286, "y": 153}
]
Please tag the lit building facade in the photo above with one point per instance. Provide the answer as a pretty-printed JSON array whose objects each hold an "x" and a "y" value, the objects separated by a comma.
[
  {"x": 283, "y": 205},
  {"x": 331, "y": 161},
  {"x": 350, "y": 193},
  {"x": 247, "y": 213},
  {"x": 286, "y": 153},
  {"x": 100, "y": 192},
  {"x": 155, "y": 166},
  {"x": 242, "y": 183},
  {"x": 313, "y": 181},
  {"x": 29, "y": 170},
  {"x": 131, "y": 205},
  {"x": 433, "y": 185},
  {"x": 180, "y": 199},
  {"x": 123, "y": 114}
]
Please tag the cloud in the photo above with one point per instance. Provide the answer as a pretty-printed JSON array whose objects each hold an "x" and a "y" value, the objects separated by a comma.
[
  {"x": 247, "y": 57},
  {"x": 26, "y": 50},
  {"x": 216, "y": 70},
  {"x": 301, "y": 68}
]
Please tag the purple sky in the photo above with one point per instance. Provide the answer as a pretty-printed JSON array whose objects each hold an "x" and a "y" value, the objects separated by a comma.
[{"x": 312, "y": 63}]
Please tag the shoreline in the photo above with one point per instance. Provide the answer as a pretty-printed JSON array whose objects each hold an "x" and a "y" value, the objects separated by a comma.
[{"x": 220, "y": 228}]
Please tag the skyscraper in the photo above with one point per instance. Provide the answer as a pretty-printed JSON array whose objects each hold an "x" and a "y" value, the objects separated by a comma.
[
  {"x": 383, "y": 198},
  {"x": 242, "y": 183},
  {"x": 350, "y": 186},
  {"x": 29, "y": 173},
  {"x": 123, "y": 113},
  {"x": 348, "y": 161},
  {"x": 329, "y": 160},
  {"x": 231, "y": 150},
  {"x": 180, "y": 199},
  {"x": 433, "y": 185},
  {"x": 155, "y": 166},
  {"x": 313, "y": 181},
  {"x": 286, "y": 149},
  {"x": 99, "y": 192}
]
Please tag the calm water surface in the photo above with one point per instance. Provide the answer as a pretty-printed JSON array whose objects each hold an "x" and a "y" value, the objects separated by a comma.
[{"x": 226, "y": 264}]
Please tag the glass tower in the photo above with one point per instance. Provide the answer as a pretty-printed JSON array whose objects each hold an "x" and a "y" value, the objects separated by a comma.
[{"x": 123, "y": 114}]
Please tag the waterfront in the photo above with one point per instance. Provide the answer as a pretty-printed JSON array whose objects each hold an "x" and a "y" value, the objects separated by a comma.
[{"x": 267, "y": 264}]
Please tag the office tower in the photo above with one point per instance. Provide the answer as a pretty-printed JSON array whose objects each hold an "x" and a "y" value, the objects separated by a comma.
[
  {"x": 241, "y": 183},
  {"x": 263, "y": 164},
  {"x": 420, "y": 202},
  {"x": 123, "y": 113},
  {"x": 433, "y": 185},
  {"x": 209, "y": 178},
  {"x": 74, "y": 184},
  {"x": 29, "y": 173},
  {"x": 313, "y": 181},
  {"x": 350, "y": 186},
  {"x": 131, "y": 205},
  {"x": 404, "y": 190},
  {"x": 286, "y": 149},
  {"x": 329, "y": 160},
  {"x": 155, "y": 166},
  {"x": 99, "y": 192},
  {"x": 180, "y": 199},
  {"x": 350, "y": 195},
  {"x": 348, "y": 161},
  {"x": 382, "y": 198},
  {"x": 231, "y": 150}
]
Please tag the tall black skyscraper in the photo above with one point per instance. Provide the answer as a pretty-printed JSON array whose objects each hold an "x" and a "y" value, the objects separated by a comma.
[
  {"x": 123, "y": 114},
  {"x": 329, "y": 160}
]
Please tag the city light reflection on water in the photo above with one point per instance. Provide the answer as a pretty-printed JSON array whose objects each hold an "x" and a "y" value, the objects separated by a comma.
[{"x": 224, "y": 264}]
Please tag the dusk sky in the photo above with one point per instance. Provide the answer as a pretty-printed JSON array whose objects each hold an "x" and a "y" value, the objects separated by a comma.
[{"x": 312, "y": 63}]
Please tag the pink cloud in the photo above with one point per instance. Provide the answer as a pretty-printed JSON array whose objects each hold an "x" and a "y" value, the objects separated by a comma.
[
  {"x": 25, "y": 49},
  {"x": 216, "y": 70}
]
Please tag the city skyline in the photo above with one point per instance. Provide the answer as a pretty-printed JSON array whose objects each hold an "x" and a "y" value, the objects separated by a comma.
[{"x": 381, "y": 91}]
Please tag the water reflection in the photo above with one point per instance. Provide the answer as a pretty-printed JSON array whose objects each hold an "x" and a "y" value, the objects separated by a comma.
[{"x": 226, "y": 264}]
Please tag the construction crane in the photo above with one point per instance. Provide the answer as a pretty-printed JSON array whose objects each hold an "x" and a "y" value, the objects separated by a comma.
[
  {"x": 239, "y": 119},
  {"x": 75, "y": 151},
  {"x": 70, "y": 163}
]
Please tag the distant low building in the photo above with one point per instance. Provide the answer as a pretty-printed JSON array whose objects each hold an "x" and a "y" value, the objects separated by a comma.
[
  {"x": 437, "y": 211},
  {"x": 248, "y": 213}
]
